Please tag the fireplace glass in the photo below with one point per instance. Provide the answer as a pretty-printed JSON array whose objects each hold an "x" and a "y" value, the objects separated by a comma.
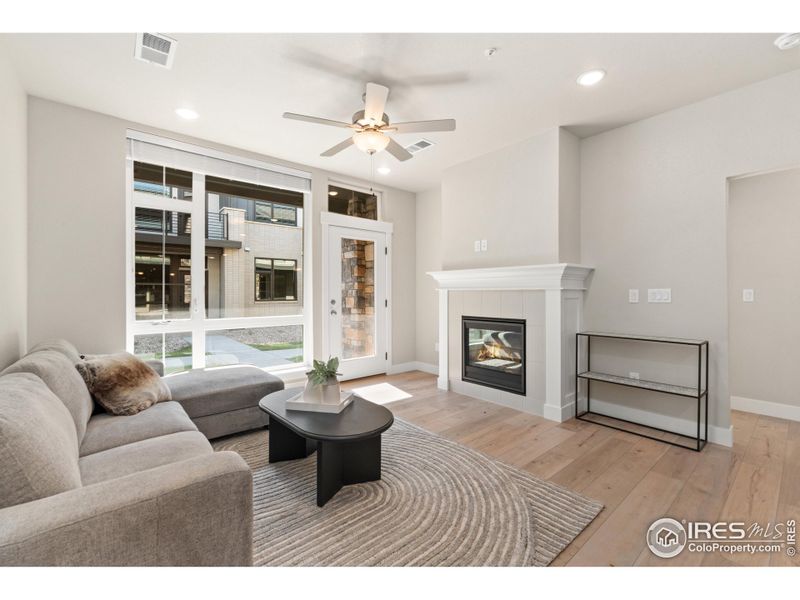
[{"x": 494, "y": 353}]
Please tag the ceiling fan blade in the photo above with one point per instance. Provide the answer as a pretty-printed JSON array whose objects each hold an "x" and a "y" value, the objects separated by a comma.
[
  {"x": 398, "y": 151},
  {"x": 317, "y": 120},
  {"x": 338, "y": 147},
  {"x": 422, "y": 126},
  {"x": 375, "y": 102}
]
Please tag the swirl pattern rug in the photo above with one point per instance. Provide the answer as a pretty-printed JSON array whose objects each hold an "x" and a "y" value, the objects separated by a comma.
[{"x": 438, "y": 503}]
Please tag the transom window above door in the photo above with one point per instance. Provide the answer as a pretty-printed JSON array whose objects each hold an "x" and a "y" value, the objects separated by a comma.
[{"x": 353, "y": 202}]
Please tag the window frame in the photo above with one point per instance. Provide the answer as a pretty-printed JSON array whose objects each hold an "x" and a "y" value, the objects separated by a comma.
[
  {"x": 272, "y": 220},
  {"x": 272, "y": 279}
]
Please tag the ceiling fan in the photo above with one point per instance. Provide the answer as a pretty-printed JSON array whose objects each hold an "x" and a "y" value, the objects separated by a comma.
[{"x": 372, "y": 124}]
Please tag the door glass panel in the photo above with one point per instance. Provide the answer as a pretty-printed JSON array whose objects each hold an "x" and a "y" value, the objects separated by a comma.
[
  {"x": 254, "y": 250},
  {"x": 162, "y": 265},
  {"x": 358, "y": 298},
  {"x": 271, "y": 347},
  {"x": 174, "y": 350}
]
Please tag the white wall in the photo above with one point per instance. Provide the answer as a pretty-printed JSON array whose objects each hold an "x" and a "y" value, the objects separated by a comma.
[
  {"x": 654, "y": 196},
  {"x": 509, "y": 198},
  {"x": 763, "y": 255},
  {"x": 569, "y": 197},
  {"x": 429, "y": 258},
  {"x": 13, "y": 215},
  {"x": 76, "y": 241}
]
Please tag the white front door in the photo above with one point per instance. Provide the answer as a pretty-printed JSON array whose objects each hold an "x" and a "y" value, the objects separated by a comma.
[{"x": 357, "y": 301}]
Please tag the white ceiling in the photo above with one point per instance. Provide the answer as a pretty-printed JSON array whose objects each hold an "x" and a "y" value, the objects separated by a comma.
[{"x": 242, "y": 83}]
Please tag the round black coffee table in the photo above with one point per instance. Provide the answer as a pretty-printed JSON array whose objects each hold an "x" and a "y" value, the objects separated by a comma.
[{"x": 348, "y": 444}]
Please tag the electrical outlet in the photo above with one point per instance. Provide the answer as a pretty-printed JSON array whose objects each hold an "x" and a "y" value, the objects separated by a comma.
[
  {"x": 748, "y": 295},
  {"x": 633, "y": 296},
  {"x": 477, "y": 244},
  {"x": 633, "y": 375},
  {"x": 484, "y": 246},
  {"x": 659, "y": 295}
]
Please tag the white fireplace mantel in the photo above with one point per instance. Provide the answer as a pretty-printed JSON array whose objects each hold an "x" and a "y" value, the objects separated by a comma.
[
  {"x": 560, "y": 276},
  {"x": 563, "y": 285}
]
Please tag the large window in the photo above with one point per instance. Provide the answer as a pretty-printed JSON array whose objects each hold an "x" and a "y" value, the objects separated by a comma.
[
  {"x": 276, "y": 279},
  {"x": 215, "y": 259}
]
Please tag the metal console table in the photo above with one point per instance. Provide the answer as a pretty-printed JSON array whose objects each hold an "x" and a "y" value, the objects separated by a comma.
[{"x": 699, "y": 393}]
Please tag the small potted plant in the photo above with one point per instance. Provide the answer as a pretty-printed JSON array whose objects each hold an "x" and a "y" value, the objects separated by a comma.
[{"x": 322, "y": 385}]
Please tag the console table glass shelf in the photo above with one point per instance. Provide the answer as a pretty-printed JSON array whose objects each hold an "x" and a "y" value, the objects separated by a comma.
[{"x": 698, "y": 392}]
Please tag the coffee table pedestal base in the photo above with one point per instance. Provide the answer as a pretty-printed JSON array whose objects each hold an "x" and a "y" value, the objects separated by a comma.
[{"x": 338, "y": 463}]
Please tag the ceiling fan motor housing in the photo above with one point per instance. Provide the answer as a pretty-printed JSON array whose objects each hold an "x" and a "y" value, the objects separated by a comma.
[{"x": 358, "y": 119}]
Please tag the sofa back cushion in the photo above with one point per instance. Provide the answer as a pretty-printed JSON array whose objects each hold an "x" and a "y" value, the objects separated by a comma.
[
  {"x": 62, "y": 346},
  {"x": 38, "y": 449},
  {"x": 61, "y": 376}
]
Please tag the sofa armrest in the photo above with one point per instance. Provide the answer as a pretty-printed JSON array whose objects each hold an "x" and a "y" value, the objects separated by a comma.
[
  {"x": 194, "y": 512},
  {"x": 156, "y": 365}
]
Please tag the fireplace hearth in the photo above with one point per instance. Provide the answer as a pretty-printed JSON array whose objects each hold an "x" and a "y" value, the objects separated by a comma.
[{"x": 494, "y": 353}]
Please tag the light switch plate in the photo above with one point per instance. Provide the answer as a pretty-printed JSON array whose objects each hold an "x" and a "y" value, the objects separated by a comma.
[
  {"x": 659, "y": 295},
  {"x": 484, "y": 245},
  {"x": 748, "y": 295},
  {"x": 477, "y": 245},
  {"x": 633, "y": 296}
]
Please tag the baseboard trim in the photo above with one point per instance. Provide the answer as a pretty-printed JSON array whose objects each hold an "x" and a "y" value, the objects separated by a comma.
[
  {"x": 413, "y": 366},
  {"x": 766, "y": 408},
  {"x": 559, "y": 413}
]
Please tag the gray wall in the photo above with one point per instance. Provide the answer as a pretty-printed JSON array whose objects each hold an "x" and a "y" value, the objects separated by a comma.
[
  {"x": 763, "y": 250},
  {"x": 429, "y": 258},
  {"x": 77, "y": 239},
  {"x": 654, "y": 197},
  {"x": 13, "y": 222},
  {"x": 509, "y": 198}
]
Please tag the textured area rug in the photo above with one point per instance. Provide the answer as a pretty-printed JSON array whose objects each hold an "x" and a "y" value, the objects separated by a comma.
[{"x": 438, "y": 504}]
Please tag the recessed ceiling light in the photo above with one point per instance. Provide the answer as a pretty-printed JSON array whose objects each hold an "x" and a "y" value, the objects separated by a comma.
[
  {"x": 592, "y": 77},
  {"x": 333, "y": 193},
  {"x": 186, "y": 113},
  {"x": 788, "y": 41},
  {"x": 384, "y": 170}
]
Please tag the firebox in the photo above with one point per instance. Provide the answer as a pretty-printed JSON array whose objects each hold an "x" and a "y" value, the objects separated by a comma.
[{"x": 494, "y": 353}]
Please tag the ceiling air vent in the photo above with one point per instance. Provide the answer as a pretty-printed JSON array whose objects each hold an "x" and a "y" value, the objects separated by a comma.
[
  {"x": 419, "y": 146},
  {"x": 156, "y": 49}
]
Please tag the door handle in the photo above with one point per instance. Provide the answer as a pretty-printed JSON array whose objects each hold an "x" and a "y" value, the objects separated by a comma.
[{"x": 333, "y": 312}]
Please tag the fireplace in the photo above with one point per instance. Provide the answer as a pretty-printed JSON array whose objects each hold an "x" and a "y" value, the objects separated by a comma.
[{"x": 494, "y": 353}]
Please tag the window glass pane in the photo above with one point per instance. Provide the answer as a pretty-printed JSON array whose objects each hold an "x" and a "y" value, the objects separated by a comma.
[
  {"x": 258, "y": 346},
  {"x": 153, "y": 180},
  {"x": 260, "y": 224},
  {"x": 263, "y": 211},
  {"x": 358, "y": 298},
  {"x": 162, "y": 278},
  {"x": 285, "y": 215},
  {"x": 174, "y": 350},
  {"x": 353, "y": 203}
]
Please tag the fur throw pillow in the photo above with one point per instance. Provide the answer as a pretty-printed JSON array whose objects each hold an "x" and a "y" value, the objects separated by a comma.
[{"x": 121, "y": 383}]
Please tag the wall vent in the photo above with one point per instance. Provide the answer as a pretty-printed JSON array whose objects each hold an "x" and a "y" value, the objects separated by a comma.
[
  {"x": 419, "y": 146},
  {"x": 156, "y": 49}
]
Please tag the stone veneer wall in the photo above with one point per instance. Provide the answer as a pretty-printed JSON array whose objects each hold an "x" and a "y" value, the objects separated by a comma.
[{"x": 358, "y": 298}]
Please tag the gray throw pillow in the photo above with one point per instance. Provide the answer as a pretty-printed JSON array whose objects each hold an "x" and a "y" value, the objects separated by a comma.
[{"x": 121, "y": 383}]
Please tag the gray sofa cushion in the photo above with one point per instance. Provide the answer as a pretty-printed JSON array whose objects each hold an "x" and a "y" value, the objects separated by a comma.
[
  {"x": 61, "y": 376},
  {"x": 108, "y": 431},
  {"x": 38, "y": 449},
  {"x": 204, "y": 392},
  {"x": 143, "y": 455},
  {"x": 58, "y": 345}
]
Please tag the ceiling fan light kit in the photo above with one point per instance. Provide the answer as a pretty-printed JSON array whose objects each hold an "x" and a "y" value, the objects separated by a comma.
[{"x": 372, "y": 124}]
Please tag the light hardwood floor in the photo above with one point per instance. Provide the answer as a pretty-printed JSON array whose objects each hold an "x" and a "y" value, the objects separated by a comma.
[{"x": 638, "y": 480}]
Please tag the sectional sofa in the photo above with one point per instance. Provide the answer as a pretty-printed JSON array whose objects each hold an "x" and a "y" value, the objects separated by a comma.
[{"x": 82, "y": 487}]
